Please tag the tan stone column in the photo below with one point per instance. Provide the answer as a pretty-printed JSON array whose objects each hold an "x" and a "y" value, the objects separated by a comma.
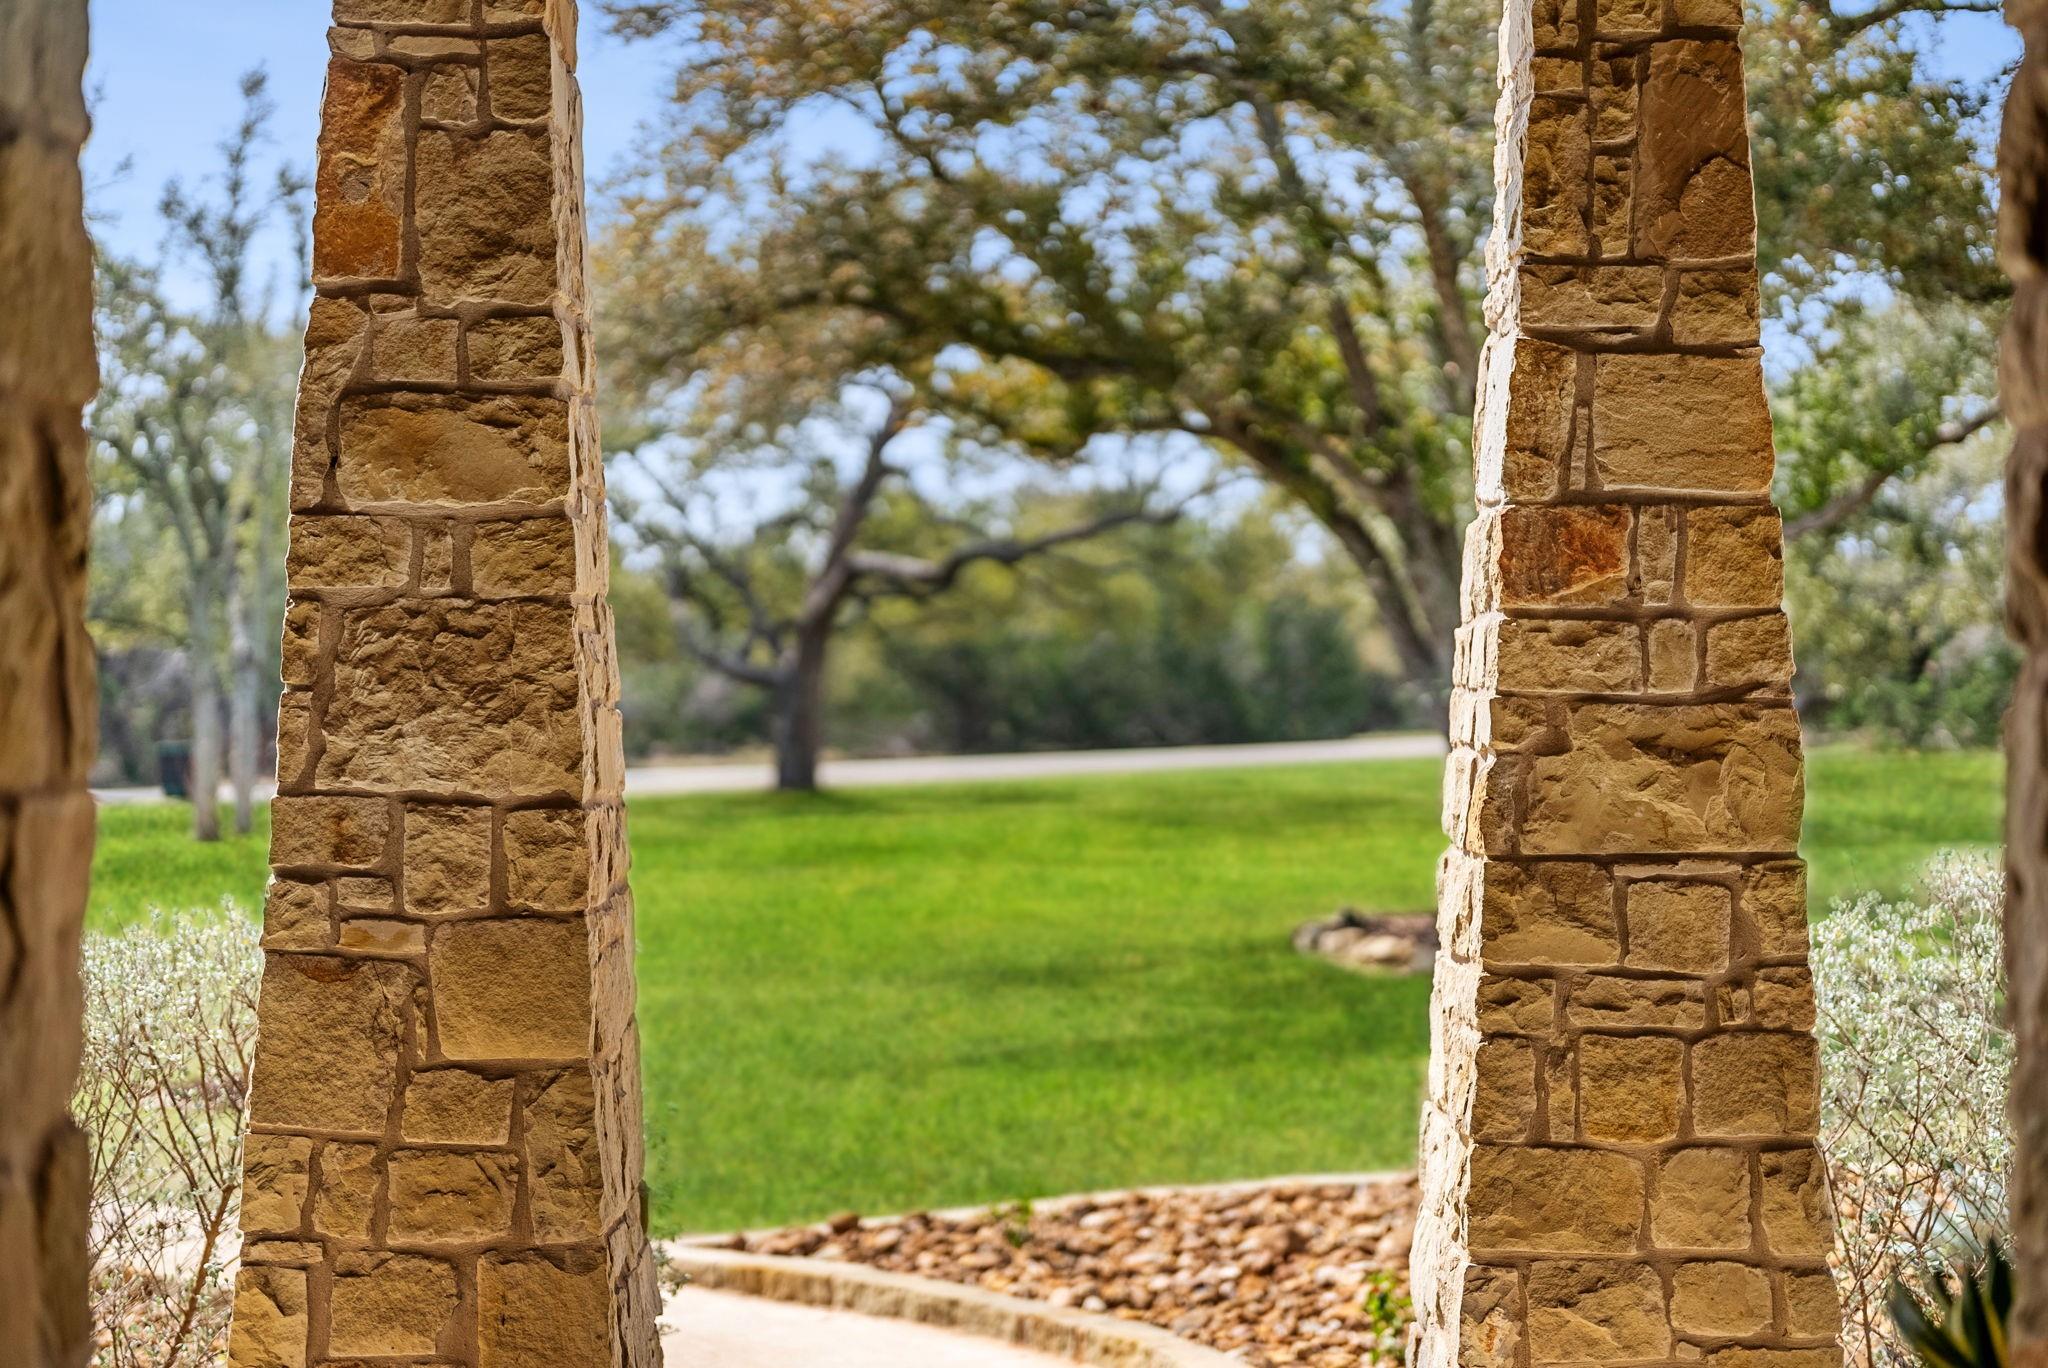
[
  {"x": 2023, "y": 381},
  {"x": 48, "y": 705},
  {"x": 445, "y": 1151},
  {"x": 1619, "y": 1163}
]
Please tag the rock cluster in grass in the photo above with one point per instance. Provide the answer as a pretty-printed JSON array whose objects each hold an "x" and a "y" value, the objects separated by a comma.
[
  {"x": 1371, "y": 942},
  {"x": 1288, "y": 1274}
]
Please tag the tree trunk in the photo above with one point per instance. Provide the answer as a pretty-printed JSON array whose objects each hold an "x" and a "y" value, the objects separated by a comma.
[
  {"x": 245, "y": 742},
  {"x": 203, "y": 666},
  {"x": 799, "y": 726}
]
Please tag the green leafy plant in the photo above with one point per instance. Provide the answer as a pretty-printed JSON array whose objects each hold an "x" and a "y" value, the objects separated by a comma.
[
  {"x": 1958, "y": 1319},
  {"x": 1387, "y": 1309}
]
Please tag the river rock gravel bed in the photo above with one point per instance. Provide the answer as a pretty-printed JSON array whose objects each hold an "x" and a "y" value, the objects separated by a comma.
[{"x": 1306, "y": 1273}]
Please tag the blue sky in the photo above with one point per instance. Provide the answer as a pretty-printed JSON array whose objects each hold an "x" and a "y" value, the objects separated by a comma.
[{"x": 164, "y": 81}]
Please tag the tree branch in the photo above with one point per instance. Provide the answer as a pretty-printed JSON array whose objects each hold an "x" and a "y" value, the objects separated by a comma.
[
  {"x": 917, "y": 577},
  {"x": 1833, "y": 514}
]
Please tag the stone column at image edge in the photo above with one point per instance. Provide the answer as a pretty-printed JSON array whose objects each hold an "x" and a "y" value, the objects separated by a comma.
[
  {"x": 1618, "y": 1149},
  {"x": 445, "y": 1152},
  {"x": 48, "y": 701}
]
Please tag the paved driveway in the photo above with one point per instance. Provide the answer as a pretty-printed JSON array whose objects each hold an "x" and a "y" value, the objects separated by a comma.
[{"x": 959, "y": 769}]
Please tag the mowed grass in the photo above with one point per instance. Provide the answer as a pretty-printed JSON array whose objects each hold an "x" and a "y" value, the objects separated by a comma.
[{"x": 900, "y": 998}]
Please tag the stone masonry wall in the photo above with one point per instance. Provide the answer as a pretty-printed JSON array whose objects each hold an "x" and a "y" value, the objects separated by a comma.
[
  {"x": 47, "y": 698},
  {"x": 445, "y": 1151},
  {"x": 1619, "y": 1159},
  {"x": 2023, "y": 382}
]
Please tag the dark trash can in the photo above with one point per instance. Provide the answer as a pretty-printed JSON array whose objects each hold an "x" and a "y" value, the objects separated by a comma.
[{"x": 174, "y": 768}]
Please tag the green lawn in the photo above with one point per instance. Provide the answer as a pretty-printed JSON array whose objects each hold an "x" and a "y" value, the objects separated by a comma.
[{"x": 914, "y": 997}]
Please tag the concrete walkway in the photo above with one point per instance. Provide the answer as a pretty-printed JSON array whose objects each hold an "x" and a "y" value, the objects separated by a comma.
[
  {"x": 959, "y": 769},
  {"x": 725, "y": 1330}
]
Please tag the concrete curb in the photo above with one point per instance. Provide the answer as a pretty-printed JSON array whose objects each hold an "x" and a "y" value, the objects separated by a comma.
[{"x": 1061, "y": 1332}]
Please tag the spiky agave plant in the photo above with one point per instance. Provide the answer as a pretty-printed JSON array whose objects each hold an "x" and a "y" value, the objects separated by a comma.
[{"x": 1971, "y": 1299}]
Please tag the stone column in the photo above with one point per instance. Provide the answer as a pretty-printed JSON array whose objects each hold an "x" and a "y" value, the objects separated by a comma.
[
  {"x": 2023, "y": 380},
  {"x": 48, "y": 703},
  {"x": 445, "y": 1141},
  {"x": 1619, "y": 1158}
]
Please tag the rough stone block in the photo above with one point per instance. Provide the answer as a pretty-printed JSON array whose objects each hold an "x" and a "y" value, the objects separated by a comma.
[
  {"x": 473, "y": 210},
  {"x": 535, "y": 1312},
  {"x": 345, "y": 552},
  {"x": 1784, "y": 999},
  {"x": 547, "y": 859},
  {"x": 348, "y": 832},
  {"x": 1685, "y": 779},
  {"x": 1601, "y": 1001},
  {"x": 1720, "y": 1300},
  {"x": 1555, "y": 179},
  {"x": 270, "y": 1318},
  {"x": 301, "y": 644},
  {"x": 386, "y": 1305},
  {"x": 1695, "y": 197},
  {"x": 1490, "y": 1318},
  {"x": 1555, "y": 24},
  {"x": 449, "y": 94},
  {"x": 1511, "y": 1005},
  {"x": 1560, "y": 1201},
  {"x": 1676, "y": 925},
  {"x": 534, "y": 556},
  {"x": 1596, "y": 1312},
  {"x": 384, "y": 936},
  {"x": 512, "y": 990},
  {"x": 345, "y": 1208},
  {"x": 457, "y": 1107},
  {"x": 1734, "y": 558},
  {"x": 1529, "y": 394},
  {"x": 296, "y": 917},
  {"x": 1717, "y": 308},
  {"x": 409, "y": 349},
  {"x": 1592, "y": 298},
  {"x": 1759, "y": 1083},
  {"x": 1750, "y": 653},
  {"x": 521, "y": 77},
  {"x": 1568, "y": 656},
  {"x": 1553, "y": 912},
  {"x": 327, "y": 1057},
  {"x": 1702, "y": 1200},
  {"x": 1628, "y": 18},
  {"x": 1631, "y": 1088},
  {"x": 1674, "y": 661},
  {"x": 1687, "y": 423},
  {"x": 1504, "y": 1103},
  {"x": 1570, "y": 556},
  {"x": 1813, "y": 1307},
  {"x": 563, "y": 1170},
  {"x": 447, "y": 859},
  {"x": 1617, "y": 78},
  {"x": 275, "y": 1179},
  {"x": 451, "y": 1197},
  {"x": 455, "y": 450},
  {"x": 1774, "y": 903},
  {"x": 359, "y": 216},
  {"x": 457, "y": 698},
  {"x": 515, "y": 349}
]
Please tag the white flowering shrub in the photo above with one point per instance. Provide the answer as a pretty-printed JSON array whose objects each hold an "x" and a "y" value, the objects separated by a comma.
[
  {"x": 1915, "y": 1059},
  {"x": 170, "y": 1031}
]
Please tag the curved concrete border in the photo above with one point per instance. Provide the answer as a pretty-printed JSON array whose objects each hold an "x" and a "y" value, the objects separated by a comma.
[{"x": 1078, "y": 1336}]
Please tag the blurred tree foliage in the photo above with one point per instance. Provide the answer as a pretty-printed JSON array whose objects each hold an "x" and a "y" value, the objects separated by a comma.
[{"x": 1259, "y": 227}]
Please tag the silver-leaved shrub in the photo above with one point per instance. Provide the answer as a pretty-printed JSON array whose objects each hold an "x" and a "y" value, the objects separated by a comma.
[
  {"x": 1915, "y": 1059},
  {"x": 170, "y": 1033}
]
